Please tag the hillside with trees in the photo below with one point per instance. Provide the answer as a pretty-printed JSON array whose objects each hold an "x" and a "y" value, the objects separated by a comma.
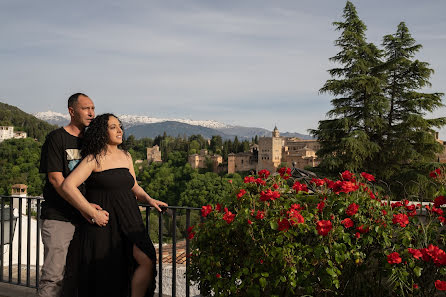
[{"x": 22, "y": 121}]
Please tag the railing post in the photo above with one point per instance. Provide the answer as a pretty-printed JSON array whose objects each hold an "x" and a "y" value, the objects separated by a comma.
[
  {"x": 38, "y": 244},
  {"x": 187, "y": 253},
  {"x": 28, "y": 243},
  {"x": 174, "y": 252},
  {"x": 160, "y": 252},
  {"x": 19, "y": 250},
  {"x": 2, "y": 240},
  {"x": 11, "y": 237}
]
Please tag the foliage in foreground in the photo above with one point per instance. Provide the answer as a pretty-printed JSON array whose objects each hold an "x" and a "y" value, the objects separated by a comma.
[{"x": 275, "y": 237}]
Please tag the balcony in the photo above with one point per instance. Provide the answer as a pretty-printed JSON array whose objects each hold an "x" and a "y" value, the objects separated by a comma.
[{"x": 22, "y": 248}]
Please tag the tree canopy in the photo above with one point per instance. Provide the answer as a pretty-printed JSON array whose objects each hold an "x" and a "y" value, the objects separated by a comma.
[{"x": 377, "y": 123}]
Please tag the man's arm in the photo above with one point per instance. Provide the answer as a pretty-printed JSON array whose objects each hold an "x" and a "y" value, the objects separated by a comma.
[{"x": 56, "y": 179}]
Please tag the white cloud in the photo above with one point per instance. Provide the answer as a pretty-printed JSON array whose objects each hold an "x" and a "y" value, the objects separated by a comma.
[{"x": 198, "y": 59}]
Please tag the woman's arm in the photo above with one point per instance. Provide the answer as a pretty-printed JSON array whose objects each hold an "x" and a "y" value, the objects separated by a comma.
[
  {"x": 75, "y": 197},
  {"x": 139, "y": 192}
]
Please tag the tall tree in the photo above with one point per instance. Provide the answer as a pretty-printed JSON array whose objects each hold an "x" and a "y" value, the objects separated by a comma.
[
  {"x": 410, "y": 136},
  {"x": 348, "y": 137}
]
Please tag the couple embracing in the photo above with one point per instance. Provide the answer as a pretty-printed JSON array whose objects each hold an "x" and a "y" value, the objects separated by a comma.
[{"x": 94, "y": 239}]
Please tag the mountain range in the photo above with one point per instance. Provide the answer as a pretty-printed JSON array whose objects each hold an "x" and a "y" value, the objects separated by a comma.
[{"x": 145, "y": 126}]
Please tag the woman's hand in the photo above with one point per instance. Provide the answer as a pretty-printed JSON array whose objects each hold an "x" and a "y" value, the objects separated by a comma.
[{"x": 157, "y": 204}]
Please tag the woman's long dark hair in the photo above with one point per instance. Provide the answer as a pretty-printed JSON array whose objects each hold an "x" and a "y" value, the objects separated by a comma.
[{"x": 95, "y": 138}]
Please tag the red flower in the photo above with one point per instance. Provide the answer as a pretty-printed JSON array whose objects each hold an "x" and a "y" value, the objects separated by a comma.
[
  {"x": 384, "y": 212},
  {"x": 362, "y": 229},
  {"x": 415, "y": 286},
  {"x": 400, "y": 219},
  {"x": 323, "y": 227},
  {"x": 439, "y": 201},
  {"x": 218, "y": 207},
  {"x": 437, "y": 254},
  {"x": 269, "y": 195},
  {"x": 230, "y": 181},
  {"x": 343, "y": 186},
  {"x": 348, "y": 223},
  {"x": 348, "y": 187},
  {"x": 357, "y": 235},
  {"x": 260, "y": 215},
  {"x": 440, "y": 285},
  {"x": 249, "y": 222},
  {"x": 367, "y": 176},
  {"x": 284, "y": 225},
  {"x": 300, "y": 187},
  {"x": 296, "y": 206},
  {"x": 275, "y": 186},
  {"x": 436, "y": 173},
  {"x": 260, "y": 181},
  {"x": 415, "y": 253},
  {"x": 394, "y": 258},
  {"x": 190, "y": 233},
  {"x": 396, "y": 204},
  {"x": 241, "y": 193},
  {"x": 295, "y": 216},
  {"x": 261, "y": 261},
  {"x": 264, "y": 173},
  {"x": 352, "y": 209},
  {"x": 320, "y": 206},
  {"x": 205, "y": 210},
  {"x": 285, "y": 172},
  {"x": 228, "y": 216},
  {"x": 347, "y": 175},
  {"x": 249, "y": 179},
  {"x": 218, "y": 275},
  {"x": 318, "y": 182},
  {"x": 438, "y": 211}
]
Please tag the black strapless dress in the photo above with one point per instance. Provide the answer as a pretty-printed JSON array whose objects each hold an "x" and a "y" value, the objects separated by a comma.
[{"x": 100, "y": 259}]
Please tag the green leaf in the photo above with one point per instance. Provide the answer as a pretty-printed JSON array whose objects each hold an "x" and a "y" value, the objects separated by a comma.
[
  {"x": 262, "y": 282},
  {"x": 273, "y": 225},
  {"x": 417, "y": 270},
  {"x": 331, "y": 272}
]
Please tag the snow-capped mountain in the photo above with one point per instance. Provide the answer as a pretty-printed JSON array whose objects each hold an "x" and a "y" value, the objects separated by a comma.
[
  {"x": 145, "y": 126},
  {"x": 60, "y": 119},
  {"x": 134, "y": 120},
  {"x": 52, "y": 117}
]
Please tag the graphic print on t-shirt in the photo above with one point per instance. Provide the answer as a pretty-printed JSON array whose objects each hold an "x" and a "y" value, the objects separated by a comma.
[{"x": 73, "y": 158}]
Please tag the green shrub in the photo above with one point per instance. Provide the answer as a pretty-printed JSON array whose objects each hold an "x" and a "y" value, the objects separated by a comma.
[{"x": 274, "y": 237}]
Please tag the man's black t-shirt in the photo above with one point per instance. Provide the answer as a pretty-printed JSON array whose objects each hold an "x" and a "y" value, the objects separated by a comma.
[{"x": 60, "y": 153}]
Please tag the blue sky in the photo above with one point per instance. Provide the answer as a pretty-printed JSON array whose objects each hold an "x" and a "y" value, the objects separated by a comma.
[{"x": 251, "y": 63}]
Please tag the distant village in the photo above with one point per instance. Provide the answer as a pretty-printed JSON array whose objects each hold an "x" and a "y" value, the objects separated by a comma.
[
  {"x": 269, "y": 153},
  {"x": 7, "y": 132}
]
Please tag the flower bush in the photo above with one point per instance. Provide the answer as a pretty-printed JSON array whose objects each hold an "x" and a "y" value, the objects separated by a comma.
[{"x": 277, "y": 236}]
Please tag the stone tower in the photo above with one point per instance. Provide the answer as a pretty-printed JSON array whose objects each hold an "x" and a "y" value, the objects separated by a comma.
[{"x": 276, "y": 150}]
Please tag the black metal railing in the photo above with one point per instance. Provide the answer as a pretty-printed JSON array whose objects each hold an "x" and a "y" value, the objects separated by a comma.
[{"x": 20, "y": 229}]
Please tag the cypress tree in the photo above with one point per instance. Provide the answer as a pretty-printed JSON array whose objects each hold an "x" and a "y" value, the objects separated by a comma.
[
  {"x": 409, "y": 137},
  {"x": 349, "y": 136}
]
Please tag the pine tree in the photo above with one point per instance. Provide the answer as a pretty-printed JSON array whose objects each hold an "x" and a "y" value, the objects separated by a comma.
[
  {"x": 348, "y": 137},
  {"x": 409, "y": 136}
]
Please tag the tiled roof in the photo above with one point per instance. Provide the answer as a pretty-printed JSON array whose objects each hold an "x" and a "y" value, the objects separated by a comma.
[{"x": 167, "y": 253}]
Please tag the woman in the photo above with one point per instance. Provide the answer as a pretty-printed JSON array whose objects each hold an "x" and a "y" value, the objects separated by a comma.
[{"x": 111, "y": 254}]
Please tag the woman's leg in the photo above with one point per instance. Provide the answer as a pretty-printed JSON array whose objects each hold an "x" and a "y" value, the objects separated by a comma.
[{"x": 143, "y": 274}]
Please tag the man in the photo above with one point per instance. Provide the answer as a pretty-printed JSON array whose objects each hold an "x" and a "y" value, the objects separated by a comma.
[{"x": 60, "y": 155}]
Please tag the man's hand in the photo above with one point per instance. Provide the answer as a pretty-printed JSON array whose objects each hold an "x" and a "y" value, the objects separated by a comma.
[
  {"x": 96, "y": 206},
  {"x": 100, "y": 218}
]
